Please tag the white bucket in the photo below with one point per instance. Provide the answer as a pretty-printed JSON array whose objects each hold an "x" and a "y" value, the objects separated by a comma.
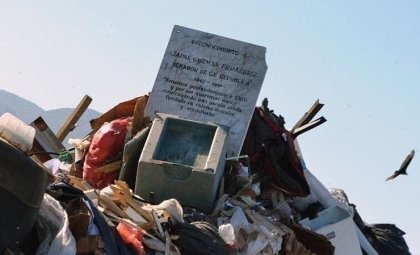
[{"x": 17, "y": 133}]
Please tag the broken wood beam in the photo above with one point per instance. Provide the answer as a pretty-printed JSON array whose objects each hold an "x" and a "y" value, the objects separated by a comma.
[
  {"x": 124, "y": 195},
  {"x": 110, "y": 167},
  {"x": 309, "y": 126},
  {"x": 73, "y": 118},
  {"x": 107, "y": 203},
  {"x": 309, "y": 115},
  {"x": 138, "y": 117}
]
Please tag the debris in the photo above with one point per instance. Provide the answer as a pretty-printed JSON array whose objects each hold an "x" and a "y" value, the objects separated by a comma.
[
  {"x": 80, "y": 148},
  {"x": 226, "y": 232},
  {"x": 132, "y": 235},
  {"x": 22, "y": 187},
  {"x": 68, "y": 125},
  {"x": 308, "y": 116},
  {"x": 313, "y": 241},
  {"x": 122, "y": 110},
  {"x": 107, "y": 142},
  {"x": 388, "y": 239},
  {"x": 186, "y": 158},
  {"x": 139, "y": 120},
  {"x": 198, "y": 237},
  {"x": 109, "y": 167},
  {"x": 337, "y": 225},
  {"x": 53, "y": 225},
  {"x": 46, "y": 145},
  {"x": 131, "y": 155},
  {"x": 189, "y": 182},
  {"x": 258, "y": 210},
  {"x": 272, "y": 153},
  {"x": 15, "y": 132},
  {"x": 309, "y": 126}
]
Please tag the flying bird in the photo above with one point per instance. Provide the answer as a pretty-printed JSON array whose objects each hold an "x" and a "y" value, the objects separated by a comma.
[{"x": 403, "y": 167}]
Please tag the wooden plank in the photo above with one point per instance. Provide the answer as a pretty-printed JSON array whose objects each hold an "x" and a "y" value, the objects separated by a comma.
[
  {"x": 73, "y": 118},
  {"x": 302, "y": 129},
  {"x": 158, "y": 222},
  {"x": 107, "y": 203},
  {"x": 309, "y": 115},
  {"x": 138, "y": 116},
  {"x": 108, "y": 168},
  {"x": 124, "y": 194},
  {"x": 134, "y": 215}
]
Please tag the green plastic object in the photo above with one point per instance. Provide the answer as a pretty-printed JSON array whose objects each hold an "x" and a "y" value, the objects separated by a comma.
[
  {"x": 131, "y": 155},
  {"x": 66, "y": 157}
]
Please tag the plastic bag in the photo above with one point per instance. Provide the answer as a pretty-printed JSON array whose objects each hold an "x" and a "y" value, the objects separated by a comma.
[
  {"x": 106, "y": 143},
  {"x": 263, "y": 241},
  {"x": 54, "y": 233},
  {"x": 226, "y": 232},
  {"x": 173, "y": 208},
  {"x": 239, "y": 221}
]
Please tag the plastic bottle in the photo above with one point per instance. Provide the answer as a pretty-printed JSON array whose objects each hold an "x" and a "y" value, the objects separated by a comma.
[{"x": 17, "y": 133}]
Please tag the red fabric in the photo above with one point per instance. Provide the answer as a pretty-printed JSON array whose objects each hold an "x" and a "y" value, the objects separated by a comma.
[
  {"x": 275, "y": 127},
  {"x": 279, "y": 130},
  {"x": 106, "y": 143},
  {"x": 270, "y": 147},
  {"x": 131, "y": 235}
]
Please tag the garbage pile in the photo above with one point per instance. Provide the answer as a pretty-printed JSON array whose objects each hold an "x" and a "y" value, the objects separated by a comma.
[{"x": 85, "y": 200}]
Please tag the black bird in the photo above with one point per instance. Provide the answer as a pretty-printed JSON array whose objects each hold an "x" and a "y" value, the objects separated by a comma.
[{"x": 403, "y": 167}]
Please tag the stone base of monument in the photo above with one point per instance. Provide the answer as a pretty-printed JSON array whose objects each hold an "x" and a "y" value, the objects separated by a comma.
[{"x": 182, "y": 159}]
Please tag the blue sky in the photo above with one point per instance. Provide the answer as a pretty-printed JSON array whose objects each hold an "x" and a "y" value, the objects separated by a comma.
[{"x": 360, "y": 58}]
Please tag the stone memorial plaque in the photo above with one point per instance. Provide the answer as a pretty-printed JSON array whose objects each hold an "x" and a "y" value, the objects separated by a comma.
[{"x": 209, "y": 78}]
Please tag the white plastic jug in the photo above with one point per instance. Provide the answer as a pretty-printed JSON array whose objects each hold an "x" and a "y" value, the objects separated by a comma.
[{"x": 17, "y": 133}]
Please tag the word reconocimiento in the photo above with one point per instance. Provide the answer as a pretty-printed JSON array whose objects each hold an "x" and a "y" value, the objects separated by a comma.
[{"x": 215, "y": 47}]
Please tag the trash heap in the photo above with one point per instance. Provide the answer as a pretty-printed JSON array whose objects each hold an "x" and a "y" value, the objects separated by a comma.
[{"x": 84, "y": 201}]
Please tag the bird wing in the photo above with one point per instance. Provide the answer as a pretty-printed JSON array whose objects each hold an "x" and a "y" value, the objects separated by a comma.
[
  {"x": 406, "y": 161},
  {"x": 395, "y": 174}
]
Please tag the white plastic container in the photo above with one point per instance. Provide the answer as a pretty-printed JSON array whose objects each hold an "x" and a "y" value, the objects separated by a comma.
[
  {"x": 338, "y": 226},
  {"x": 16, "y": 132}
]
